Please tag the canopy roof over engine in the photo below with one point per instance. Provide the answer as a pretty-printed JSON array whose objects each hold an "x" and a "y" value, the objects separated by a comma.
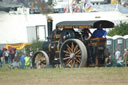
[{"x": 85, "y": 24}]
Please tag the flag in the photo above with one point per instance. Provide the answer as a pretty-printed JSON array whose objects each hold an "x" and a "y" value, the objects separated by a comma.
[
  {"x": 88, "y": 7},
  {"x": 114, "y": 1}
]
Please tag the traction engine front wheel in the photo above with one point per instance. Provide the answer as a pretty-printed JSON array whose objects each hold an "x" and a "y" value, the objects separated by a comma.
[{"x": 40, "y": 60}]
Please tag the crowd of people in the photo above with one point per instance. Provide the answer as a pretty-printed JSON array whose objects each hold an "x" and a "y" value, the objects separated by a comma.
[
  {"x": 117, "y": 59},
  {"x": 7, "y": 56},
  {"x": 11, "y": 57}
]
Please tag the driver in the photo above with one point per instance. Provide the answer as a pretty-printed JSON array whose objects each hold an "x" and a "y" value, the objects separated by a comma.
[{"x": 99, "y": 32}]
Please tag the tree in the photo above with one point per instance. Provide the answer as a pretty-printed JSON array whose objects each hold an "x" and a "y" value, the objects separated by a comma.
[
  {"x": 120, "y": 29},
  {"x": 34, "y": 45}
]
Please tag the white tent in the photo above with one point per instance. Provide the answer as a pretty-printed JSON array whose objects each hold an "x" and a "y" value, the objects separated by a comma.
[
  {"x": 13, "y": 28},
  {"x": 113, "y": 16}
]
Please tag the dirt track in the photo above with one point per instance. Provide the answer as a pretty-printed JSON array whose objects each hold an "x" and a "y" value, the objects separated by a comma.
[{"x": 82, "y": 76}]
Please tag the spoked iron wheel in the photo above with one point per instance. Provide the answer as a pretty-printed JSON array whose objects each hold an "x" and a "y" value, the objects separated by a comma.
[
  {"x": 40, "y": 60},
  {"x": 73, "y": 54}
]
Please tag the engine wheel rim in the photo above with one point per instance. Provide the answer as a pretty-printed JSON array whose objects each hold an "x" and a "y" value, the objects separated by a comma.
[
  {"x": 40, "y": 60},
  {"x": 71, "y": 54}
]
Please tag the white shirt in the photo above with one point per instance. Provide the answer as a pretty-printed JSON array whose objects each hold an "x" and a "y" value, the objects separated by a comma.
[
  {"x": 117, "y": 55},
  {"x": 6, "y": 53}
]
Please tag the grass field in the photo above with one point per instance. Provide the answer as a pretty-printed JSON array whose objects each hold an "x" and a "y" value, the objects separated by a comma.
[{"x": 65, "y": 76}]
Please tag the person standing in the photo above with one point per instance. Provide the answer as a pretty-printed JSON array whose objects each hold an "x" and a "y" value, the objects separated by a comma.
[
  {"x": 0, "y": 57},
  {"x": 22, "y": 59},
  {"x": 31, "y": 52},
  {"x": 12, "y": 53},
  {"x": 125, "y": 56},
  {"x": 117, "y": 54},
  {"x": 27, "y": 61},
  {"x": 6, "y": 55}
]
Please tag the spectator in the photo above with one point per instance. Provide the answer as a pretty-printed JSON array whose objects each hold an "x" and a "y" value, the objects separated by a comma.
[
  {"x": 15, "y": 55},
  {"x": 0, "y": 62},
  {"x": 108, "y": 61},
  {"x": 108, "y": 52},
  {"x": 120, "y": 62},
  {"x": 31, "y": 52},
  {"x": 125, "y": 55},
  {"x": 22, "y": 59},
  {"x": 99, "y": 33},
  {"x": 6, "y": 55},
  {"x": 27, "y": 61},
  {"x": 0, "y": 57},
  {"x": 12, "y": 53},
  {"x": 117, "y": 54},
  {"x": 14, "y": 64}
]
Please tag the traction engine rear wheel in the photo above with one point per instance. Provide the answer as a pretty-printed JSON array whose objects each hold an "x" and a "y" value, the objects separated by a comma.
[
  {"x": 40, "y": 60},
  {"x": 73, "y": 53}
]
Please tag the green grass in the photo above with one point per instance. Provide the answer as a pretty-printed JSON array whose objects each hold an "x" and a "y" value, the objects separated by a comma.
[{"x": 65, "y": 76}]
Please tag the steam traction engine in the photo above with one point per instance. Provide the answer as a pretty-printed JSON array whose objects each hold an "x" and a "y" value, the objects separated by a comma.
[{"x": 72, "y": 48}]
